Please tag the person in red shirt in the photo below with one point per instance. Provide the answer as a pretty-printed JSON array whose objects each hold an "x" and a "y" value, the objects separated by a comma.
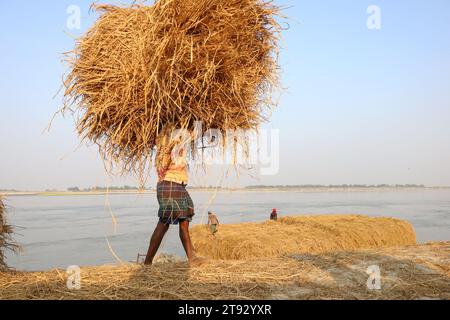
[{"x": 274, "y": 215}]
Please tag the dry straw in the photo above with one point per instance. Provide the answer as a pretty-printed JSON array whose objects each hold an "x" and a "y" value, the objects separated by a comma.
[
  {"x": 415, "y": 272},
  {"x": 6, "y": 241},
  {"x": 308, "y": 234},
  {"x": 142, "y": 69}
]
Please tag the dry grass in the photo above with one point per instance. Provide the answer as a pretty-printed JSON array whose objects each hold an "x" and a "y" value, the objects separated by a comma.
[
  {"x": 6, "y": 232},
  {"x": 414, "y": 272},
  {"x": 308, "y": 234},
  {"x": 143, "y": 69}
]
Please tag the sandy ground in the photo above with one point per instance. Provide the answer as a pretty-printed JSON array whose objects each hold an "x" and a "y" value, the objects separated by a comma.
[{"x": 413, "y": 272}]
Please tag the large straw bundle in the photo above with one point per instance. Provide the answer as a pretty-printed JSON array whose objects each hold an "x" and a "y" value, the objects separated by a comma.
[
  {"x": 6, "y": 242},
  {"x": 142, "y": 69},
  {"x": 315, "y": 234}
]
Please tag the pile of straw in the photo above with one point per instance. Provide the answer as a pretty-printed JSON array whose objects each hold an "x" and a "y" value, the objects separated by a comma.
[
  {"x": 416, "y": 272},
  {"x": 142, "y": 69},
  {"x": 308, "y": 234},
  {"x": 6, "y": 241}
]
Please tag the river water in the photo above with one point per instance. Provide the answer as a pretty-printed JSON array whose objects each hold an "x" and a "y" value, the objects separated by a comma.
[{"x": 75, "y": 230}]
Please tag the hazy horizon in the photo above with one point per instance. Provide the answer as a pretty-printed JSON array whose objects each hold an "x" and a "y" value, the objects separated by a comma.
[
  {"x": 256, "y": 186},
  {"x": 361, "y": 106}
]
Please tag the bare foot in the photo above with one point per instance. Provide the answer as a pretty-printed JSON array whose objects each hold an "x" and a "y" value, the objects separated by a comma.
[{"x": 197, "y": 261}]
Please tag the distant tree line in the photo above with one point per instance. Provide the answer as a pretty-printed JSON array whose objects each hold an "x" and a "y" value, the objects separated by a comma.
[
  {"x": 205, "y": 187},
  {"x": 96, "y": 189},
  {"x": 305, "y": 186},
  {"x": 342, "y": 186}
]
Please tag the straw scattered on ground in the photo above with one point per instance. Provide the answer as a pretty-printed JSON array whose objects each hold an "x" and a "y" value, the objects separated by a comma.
[
  {"x": 301, "y": 234},
  {"x": 143, "y": 69},
  {"x": 412, "y": 272}
]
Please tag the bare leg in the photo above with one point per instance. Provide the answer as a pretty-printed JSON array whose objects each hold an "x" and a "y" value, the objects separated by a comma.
[
  {"x": 158, "y": 235},
  {"x": 186, "y": 240}
]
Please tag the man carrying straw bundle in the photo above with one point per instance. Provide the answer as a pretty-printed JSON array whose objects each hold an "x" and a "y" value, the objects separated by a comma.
[
  {"x": 175, "y": 204},
  {"x": 140, "y": 70}
]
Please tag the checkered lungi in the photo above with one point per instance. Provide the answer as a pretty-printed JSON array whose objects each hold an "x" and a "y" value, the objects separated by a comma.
[{"x": 175, "y": 203}]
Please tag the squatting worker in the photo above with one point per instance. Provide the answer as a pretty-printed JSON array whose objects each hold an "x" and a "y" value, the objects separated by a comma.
[
  {"x": 274, "y": 215},
  {"x": 213, "y": 222},
  {"x": 175, "y": 204}
]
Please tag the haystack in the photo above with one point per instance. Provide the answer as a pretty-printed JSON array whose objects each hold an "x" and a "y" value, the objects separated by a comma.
[
  {"x": 142, "y": 69},
  {"x": 6, "y": 241},
  {"x": 302, "y": 234}
]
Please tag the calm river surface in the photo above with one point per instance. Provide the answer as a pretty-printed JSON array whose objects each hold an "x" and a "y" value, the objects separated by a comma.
[{"x": 72, "y": 230}]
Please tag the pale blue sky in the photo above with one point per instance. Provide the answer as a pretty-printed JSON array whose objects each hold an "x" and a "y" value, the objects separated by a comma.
[{"x": 362, "y": 106}]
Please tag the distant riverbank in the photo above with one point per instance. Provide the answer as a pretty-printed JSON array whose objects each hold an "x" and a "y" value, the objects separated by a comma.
[{"x": 302, "y": 189}]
